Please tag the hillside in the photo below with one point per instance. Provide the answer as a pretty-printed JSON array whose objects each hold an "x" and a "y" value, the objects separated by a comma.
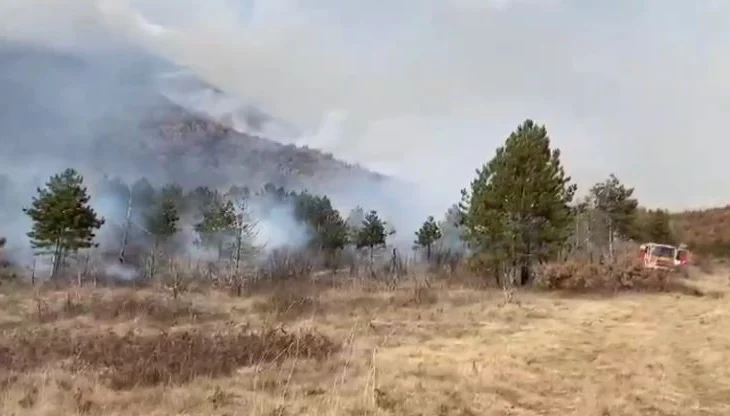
[
  {"x": 705, "y": 231},
  {"x": 89, "y": 112}
]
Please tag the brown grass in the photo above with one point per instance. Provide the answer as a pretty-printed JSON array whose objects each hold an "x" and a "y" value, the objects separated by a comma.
[
  {"x": 121, "y": 304},
  {"x": 133, "y": 360},
  {"x": 361, "y": 349}
]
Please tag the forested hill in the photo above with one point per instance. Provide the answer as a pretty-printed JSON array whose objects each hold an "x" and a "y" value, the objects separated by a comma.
[
  {"x": 105, "y": 113},
  {"x": 183, "y": 140},
  {"x": 705, "y": 231}
]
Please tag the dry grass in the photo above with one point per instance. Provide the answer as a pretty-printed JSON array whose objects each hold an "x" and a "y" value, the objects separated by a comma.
[
  {"x": 120, "y": 304},
  {"x": 362, "y": 350}
]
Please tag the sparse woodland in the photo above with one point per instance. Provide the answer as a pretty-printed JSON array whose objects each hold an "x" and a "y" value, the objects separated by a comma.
[
  {"x": 519, "y": 212},
  {"x": 179, "y": 299}
]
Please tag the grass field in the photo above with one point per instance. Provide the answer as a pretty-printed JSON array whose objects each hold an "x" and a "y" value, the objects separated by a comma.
[{"x": 360, "y": 350}]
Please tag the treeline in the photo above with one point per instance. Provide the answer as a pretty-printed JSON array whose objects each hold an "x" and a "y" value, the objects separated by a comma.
[
  {"x": 520, "y": 210},
  {"x": 224, "y": 223}
]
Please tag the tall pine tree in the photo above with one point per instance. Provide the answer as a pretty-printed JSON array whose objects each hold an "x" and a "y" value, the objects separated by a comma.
[
  {"x": 427, "y": 235},
  {"x": 517, "y": 210},
  {"x": 372, "y": 233},
  {"x": 217, "y": 226},
  {"x": 63, "y": 220},
  {"x": 162, "y": 223},
  {"x": 615, "y": 201}
]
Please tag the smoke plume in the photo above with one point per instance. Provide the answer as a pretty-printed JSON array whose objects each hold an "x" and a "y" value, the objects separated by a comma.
[{"x": 423, "y": 91}]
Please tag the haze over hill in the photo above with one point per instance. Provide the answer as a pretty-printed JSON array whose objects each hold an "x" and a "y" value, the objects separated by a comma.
[
  {"x": 625, "y": 87},
  {"x": 83, "y": 110},
  {"x": 630, "y": 87}
]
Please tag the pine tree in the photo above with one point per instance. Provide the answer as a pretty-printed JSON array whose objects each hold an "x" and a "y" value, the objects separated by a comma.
[
  {"x": 218, "y": 222},
  {"x": 517, "y": 210},
  {"x": 63, "y": 220},
  {"x": 372, "y": 233},
  {"x": 328, "y": 228},
  {"x": 657, "y": 227},
  {"x": 175, "y": 196},
  {"x": 354, "y": 222},
  {"x": 162, "y": 223},
  {"x": 615, "y": 202},
  {"x": 244, "y": 235},
  {"x": 427, "y": 235},
  {"x": 203, "y": 199}
]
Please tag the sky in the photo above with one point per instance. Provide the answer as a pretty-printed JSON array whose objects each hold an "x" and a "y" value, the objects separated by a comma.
[{"x": 427, "y": 89}]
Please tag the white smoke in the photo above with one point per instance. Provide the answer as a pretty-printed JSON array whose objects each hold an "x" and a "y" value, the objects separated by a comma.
[{"x": 427, "y": 89}]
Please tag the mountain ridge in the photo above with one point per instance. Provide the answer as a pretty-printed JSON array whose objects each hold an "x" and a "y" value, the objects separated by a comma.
[{"x": 123, "y": 122}]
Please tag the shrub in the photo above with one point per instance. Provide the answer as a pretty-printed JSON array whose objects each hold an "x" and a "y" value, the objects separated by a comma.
[
  {"x": 122, "y": 305},
  {"x": 283, "y": 264},
  {"x": 625, "y": 275},
  {"x": 288, "y": 305},
  {"x": 130, "y": 360}
]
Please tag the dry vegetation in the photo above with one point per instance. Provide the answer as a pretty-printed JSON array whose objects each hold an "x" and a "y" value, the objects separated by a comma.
[
  {"x": 354, "y": 347},
  {"x": 705, "y": 231}
]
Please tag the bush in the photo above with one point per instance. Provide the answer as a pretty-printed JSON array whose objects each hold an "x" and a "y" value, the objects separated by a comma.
[
  {"x": 167, "y": 358},
  {"x": 283, "y": 264},
  {"x": 288, "y": 305},
  {"x": 122, "y": 305},
  {"x": 622, "y": 276}
]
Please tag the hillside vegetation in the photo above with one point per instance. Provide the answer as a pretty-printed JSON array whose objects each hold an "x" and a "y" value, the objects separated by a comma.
[
  {"x": 521, "y": 300},
  {"x": 705, "y": 231},
  {"x": 114, "y": 119}
]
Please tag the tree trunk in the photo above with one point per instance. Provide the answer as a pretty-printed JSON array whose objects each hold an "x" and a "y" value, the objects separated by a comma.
[
  {"x": 239, "y": 242},
  {"x": 56, "y": 259},
  {"x": 611, "y": 253},
  {"x": 32, "y": 274},
  {"x": 524, "y": 274},
  {"x": 153, "y": 261}
]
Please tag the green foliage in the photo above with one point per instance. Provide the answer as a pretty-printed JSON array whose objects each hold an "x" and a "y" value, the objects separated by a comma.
[
  {"x": 655, "y": 226},
  {"x": 428, "y": 234},
  {"x": 204, "y": 199},
  {"x": 518, "y": 207},
  {"x": 164, "y": 219},
  {"x": 329, "y": 229},
  {"x": 63, "y": 220},
  {"x": 278, "y": 193},
  {"x": 174, "y": 195},
  {"x": 616, "y": 201},
  {"x": 244, "y": 233},
  {"x": 372, "y": 232},
  {"x": 218, "y": 222}
]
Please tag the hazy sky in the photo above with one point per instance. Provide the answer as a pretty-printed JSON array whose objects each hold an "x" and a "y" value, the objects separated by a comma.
[{"x": 427, "y": 89}]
